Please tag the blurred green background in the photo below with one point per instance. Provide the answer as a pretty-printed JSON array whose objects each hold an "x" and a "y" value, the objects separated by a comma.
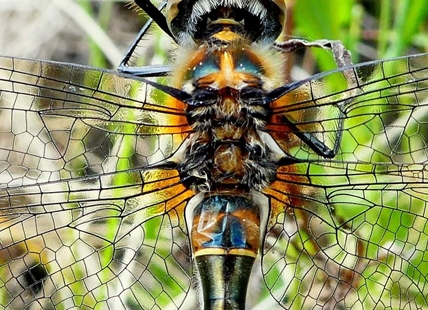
[{"x": 98, "y": 32}]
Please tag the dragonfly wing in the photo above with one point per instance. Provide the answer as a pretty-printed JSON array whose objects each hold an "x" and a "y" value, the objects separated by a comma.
[
  {"x": 83, "y": 216},
  {"x": 351, "y": 231}
]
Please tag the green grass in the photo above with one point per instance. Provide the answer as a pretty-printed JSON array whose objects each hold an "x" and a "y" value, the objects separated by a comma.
[{"x": 369, "y": 29}]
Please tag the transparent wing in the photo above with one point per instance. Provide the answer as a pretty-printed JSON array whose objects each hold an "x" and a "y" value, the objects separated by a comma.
[
  {"x": 351, "y": 232},
  {"x": 84, "y": 219}
]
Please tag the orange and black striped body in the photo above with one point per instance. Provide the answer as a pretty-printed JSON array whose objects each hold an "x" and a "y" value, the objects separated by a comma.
[{"x": 230, "y": 158}]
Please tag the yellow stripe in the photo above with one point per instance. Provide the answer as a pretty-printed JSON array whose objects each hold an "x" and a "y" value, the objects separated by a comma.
[{"x": 220, "y": 251}]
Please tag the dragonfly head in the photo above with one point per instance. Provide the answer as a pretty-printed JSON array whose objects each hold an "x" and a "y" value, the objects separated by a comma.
[{"x": 193, "y": 20}]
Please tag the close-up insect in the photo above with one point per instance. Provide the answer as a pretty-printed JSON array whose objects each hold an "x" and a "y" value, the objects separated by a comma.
[{"x": 238, "y": 158}]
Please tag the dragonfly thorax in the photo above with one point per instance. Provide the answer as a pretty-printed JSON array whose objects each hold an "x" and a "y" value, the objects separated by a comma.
[
  {"x": 227, "y": 114},
  {"x": 229, "y": 153}
]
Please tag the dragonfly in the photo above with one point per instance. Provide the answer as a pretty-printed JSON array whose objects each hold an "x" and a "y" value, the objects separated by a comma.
[{"x": 122, "y": 191}]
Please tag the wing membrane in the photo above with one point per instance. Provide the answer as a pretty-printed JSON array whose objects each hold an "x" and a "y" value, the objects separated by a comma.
[
  {"x": 79, "y": 203},
  {"x": 83, "y": 206},
  {"x": 353, "y": 229}
]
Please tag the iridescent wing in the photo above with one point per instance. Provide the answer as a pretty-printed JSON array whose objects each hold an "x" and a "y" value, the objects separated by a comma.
[
  {"x": 92, "y": 214},
  {"x": 352, "y": 231},
  {"x": 86, "y": 219}
]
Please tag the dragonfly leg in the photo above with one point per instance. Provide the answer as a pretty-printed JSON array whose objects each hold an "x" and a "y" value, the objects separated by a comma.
[
  {"x": 341, "y": 55},
  {"x": 126, "y": 65}
]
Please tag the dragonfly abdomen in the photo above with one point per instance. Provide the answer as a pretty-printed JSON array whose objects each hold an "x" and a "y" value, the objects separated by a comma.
[{"x": 225, "y": 241}]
